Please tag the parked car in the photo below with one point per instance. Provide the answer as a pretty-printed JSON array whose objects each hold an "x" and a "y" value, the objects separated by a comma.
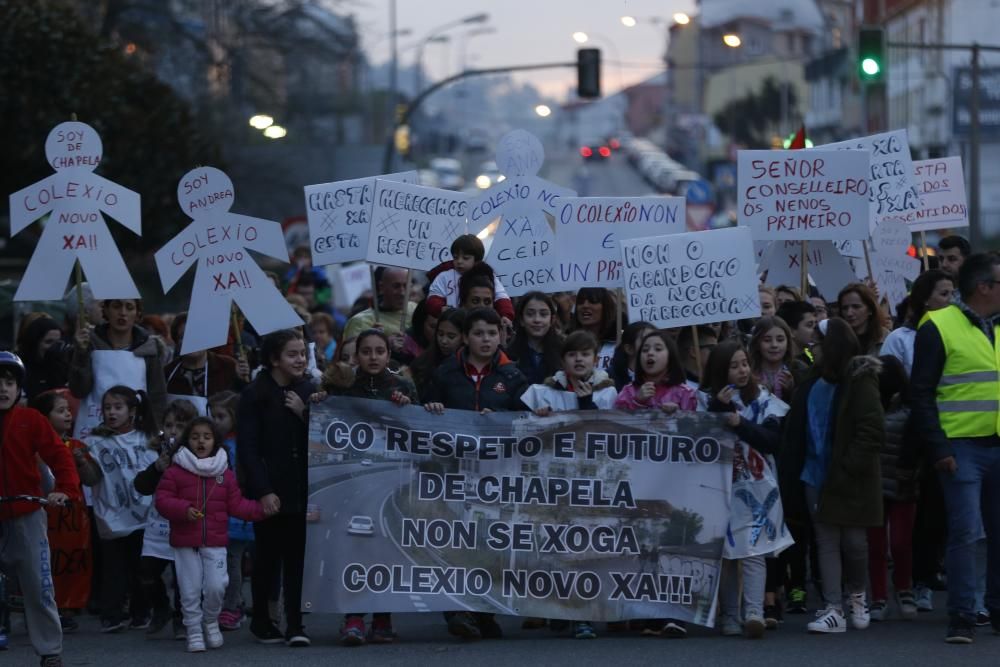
[
  {"x": 361, "y": 525},
  {"x": 449, "y": 173},
  {"x": 314, "y": 513},
  {"x": 366, "y": 462}
]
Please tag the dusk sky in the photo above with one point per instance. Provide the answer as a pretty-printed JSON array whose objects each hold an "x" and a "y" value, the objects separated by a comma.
[{"x": 526, "y": 31}]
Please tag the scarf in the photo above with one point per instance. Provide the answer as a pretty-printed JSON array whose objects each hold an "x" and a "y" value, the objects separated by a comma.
[{"x": 213, "y": 466}]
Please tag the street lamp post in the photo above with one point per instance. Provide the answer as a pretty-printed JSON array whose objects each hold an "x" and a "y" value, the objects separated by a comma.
[{"x": 482, "y": 17}]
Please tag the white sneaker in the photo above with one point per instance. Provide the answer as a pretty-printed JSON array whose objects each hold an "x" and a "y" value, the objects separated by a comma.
[
  {"x": 213, "y": 635},
  {"x": 879, "y": 611},
  {"x": 924, "y": 598},
  {"x": 754, "y": 627},
  {"x": 860, "y": 618},
  {"x": 731, "y": 627},
  {"x": 829, "y": 620},
  {"x": 195, "y": 642}
]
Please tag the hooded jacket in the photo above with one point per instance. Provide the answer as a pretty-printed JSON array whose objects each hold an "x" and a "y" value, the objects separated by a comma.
[
  {"x": 498, "y": 389},
  {"x": 25, "y": 435},
  {"x": 144, "y": 345},
  {"x": 557, "y": 393},
  {"x": 209, "y": 486},
  {"x": 852, "y": 492},
  {"x": 379, "y": 387},
  {"x": 681, "y": 394}
]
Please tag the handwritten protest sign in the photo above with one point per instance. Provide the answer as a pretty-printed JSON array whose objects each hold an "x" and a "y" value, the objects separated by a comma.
[
  {"x": 587, "y": 515},
  {"x": 588, "y": 230},
  {"x": 795, "y": 195},
  {"x": 75, "y": 198},
  {"x": 829, "y": 270},
  {"x": 413, "y": 226},
  {"x": 349, "y": 283},
  {"x": 340, "y": 214},
  {"x": 941, "y": 184},
  {"x": 219, "y": 241},
  {"x": 522, "y": 253},
  {"x": 892, "y": 185},
  {"x": 691, "y": 278}
]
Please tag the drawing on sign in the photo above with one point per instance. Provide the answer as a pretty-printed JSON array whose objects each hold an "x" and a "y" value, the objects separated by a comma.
[
  {"x": 892, "y": 186},
  {"x": 75, "y": 198},
  {"x": 219, "y": 241},
  {"x": 588, "y": 230},
  {"x": 523, "y": 250},
  {"x": 413, "y": 226},
  {"x": 339, "y": 216},
  {"x": 691, "y": 278},
  {"x": 798, "y": 195}
]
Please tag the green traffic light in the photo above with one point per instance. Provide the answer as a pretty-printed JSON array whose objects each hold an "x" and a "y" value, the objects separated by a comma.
[{"x": 870, "y": 67}]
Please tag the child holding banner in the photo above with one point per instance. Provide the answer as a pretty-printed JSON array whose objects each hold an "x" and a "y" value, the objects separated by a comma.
[
  {"x": 467, "y": 252},
  {"x": 198, "y": 494},
  {"x": 121, "y": 445},
  {"x": 375, "y": 381},
  {"x": 537, "y": 342},
  {"x": 478, "y": 377},
  {"x": 659, "y": 383},
  {"x": 756, "y": 523}
]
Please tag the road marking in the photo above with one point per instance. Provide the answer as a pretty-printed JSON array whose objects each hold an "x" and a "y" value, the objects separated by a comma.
[
  {"x": 335, "y": 514},
  {"x": 328, "y": 531},
  {"x": 322, "y": 564},
  {"x": 415, "y": 597}
]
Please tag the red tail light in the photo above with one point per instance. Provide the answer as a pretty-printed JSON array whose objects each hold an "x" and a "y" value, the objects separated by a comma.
[
  {"x": 615, "y": 144},
  {"x": 586, "y": 151},
  {"x": 604, "y": 151}
]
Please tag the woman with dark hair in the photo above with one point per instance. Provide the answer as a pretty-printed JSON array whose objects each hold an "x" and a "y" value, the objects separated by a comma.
[
  {"x": 420, "y": 334},
  {"x": 622, "y": 369},
  {"x": 45, "y": 356},
  {"x": 596, "y": 312},
  {"x": 272, "y": 429},
  {"x": 931, "y": 291},
  {"x": 537, "y": 343},
  {"x": 858, "y": 306},
  {"x": 829, "y": 468}
]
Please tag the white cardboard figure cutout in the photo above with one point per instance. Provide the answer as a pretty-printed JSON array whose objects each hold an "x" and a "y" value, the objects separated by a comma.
[
  {"x": 218, "y": 241},
  {"x": 522, "y": 255},
  {"x": 75, "y": 197}
]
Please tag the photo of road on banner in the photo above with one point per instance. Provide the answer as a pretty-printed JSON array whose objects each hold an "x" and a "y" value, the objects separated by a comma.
[{"x": 586, "y": 515}]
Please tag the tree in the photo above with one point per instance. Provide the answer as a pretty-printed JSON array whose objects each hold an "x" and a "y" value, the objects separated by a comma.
[
  {"x": 53, "y": 66},
  {"x": 750, "y": 120}
]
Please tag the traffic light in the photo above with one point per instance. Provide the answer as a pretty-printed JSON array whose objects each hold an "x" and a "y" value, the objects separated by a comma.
[
  {"x": 871, "y": 55},
  {"x": 588, "y": 73}
]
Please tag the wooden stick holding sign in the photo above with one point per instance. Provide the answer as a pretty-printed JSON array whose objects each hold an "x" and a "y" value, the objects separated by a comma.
[
  {"x": 371, "y": 270},
  {"x": 697, "y": 351},
  {"x": 406, "y": 303},
  {"x": 803, "y": 269},
  {"x": 81, "y": 320},
  {"x": 619, "y": 315},
  {"x": 237, "y": 334},
  {"x": 923, "y": 250},
  {"x": 868, "y": 262}
]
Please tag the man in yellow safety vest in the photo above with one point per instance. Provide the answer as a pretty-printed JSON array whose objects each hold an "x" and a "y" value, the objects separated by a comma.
[{"x": 955, "y": 400}]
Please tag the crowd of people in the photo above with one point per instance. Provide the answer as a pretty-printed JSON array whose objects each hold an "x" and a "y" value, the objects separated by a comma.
[{"x": 879, "y": 433}]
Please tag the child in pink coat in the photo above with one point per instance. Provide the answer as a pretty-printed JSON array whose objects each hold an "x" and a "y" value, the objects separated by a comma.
[
  {"x": 197, "y": 495},
  {"x": 659, "y": 378}
]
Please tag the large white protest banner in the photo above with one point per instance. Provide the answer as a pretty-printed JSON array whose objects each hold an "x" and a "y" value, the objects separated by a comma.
[
  {"x": 522, "y": 253},
  {"x": 586, "y": 515},
  {"x": 892, "y": 183},
  {"x": 829, "y": 270},
  {"x": 219, "y": 242},
  {"x": 588, "y": 230},
  {"x": 941, "y": 184},
  {"x": 340, "y": 214},
  {"x": 799, "y": 195},
  {"x": 691, "y": 278},
  {"x": 413, "y": 226},
  {"x": 75, "y": 198}
]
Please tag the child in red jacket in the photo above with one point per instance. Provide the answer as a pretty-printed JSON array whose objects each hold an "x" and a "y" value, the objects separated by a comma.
[
  {"x": 197, "y": 495},
  {"x": 26, "y": 434}
]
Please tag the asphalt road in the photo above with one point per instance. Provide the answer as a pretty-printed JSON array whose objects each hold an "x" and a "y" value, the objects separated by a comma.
[
  {"x": 424, "y": 641},
  {"x": 612, "y": 177}
]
